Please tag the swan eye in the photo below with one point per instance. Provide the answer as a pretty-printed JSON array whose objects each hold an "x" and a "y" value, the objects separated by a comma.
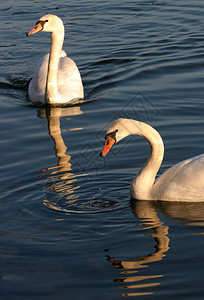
[
  {"x": 42, "y": 23},
  {"x": 112, "y": 135}
]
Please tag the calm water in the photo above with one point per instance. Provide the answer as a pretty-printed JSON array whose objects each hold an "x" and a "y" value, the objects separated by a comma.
[{"x": 68, "y": 228}]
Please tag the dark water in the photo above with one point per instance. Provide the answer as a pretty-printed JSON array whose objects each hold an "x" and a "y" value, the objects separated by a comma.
[{"x": 68, "y": 228}]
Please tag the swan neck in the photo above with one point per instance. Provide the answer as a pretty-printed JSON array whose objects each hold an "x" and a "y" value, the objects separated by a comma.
[
  {"x": 144, "y": 181},
  {"x": 52, "y": 95}
]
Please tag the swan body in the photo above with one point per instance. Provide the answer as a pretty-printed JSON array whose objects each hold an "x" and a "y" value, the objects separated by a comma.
[
  {"x": 56, "y": 79},
  {"x": 182, "y": 182}
]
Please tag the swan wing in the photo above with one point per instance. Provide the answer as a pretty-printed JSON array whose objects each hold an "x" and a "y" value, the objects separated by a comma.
[
  {"x": 37, "y": 85},
  {"x": 69, "y": 80},
  {"x": 183, "y": 181}
]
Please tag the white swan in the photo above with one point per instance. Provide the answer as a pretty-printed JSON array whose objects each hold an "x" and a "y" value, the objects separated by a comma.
[
  {"x": 56, "y": 79},
  {"x": 182, "y": 182}
]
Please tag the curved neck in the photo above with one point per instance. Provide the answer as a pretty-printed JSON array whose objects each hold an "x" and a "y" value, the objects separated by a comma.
[
  {"x": 52, "y": 95},
  {"x": 144, "y": 181}
]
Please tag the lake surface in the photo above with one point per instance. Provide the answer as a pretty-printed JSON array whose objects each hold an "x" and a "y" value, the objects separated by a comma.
[{"x": 68, "y": 228}]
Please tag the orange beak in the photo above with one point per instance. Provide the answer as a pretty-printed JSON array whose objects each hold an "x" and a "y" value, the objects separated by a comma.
[
  {"x": 108, "y": 145},
  {"x": 38, "y": 27}
]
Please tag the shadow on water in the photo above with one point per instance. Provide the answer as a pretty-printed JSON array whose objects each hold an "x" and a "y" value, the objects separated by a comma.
[
  {"x": 59, "y": 180},
  {"x": 131, "y": 282},
  {"x": 61, "y": 186}
]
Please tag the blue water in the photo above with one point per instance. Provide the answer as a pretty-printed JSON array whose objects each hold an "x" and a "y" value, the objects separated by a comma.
[{"x": 68, "y": 228}]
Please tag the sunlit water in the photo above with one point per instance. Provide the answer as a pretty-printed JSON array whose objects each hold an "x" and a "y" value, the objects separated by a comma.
[{"x": 68, "y": 228}]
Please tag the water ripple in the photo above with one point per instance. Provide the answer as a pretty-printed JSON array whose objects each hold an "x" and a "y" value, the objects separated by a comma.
[{"x": 65, "y": 195}]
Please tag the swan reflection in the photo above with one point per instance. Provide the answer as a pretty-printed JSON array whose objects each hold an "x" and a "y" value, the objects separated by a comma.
[
  {"x": 132, "y": 282},
  {"x": 61, "y": 181}
]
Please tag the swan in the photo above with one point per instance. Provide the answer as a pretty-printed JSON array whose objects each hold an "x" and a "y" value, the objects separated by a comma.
[
  {"x": 182, "y": 182},
  {"x": 56, "y": 79}
]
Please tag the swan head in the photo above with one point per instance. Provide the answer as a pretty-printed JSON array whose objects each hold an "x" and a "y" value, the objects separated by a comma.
[
  {"x": 118, "y": 130},
  {"x": 48, "y": 23}
]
